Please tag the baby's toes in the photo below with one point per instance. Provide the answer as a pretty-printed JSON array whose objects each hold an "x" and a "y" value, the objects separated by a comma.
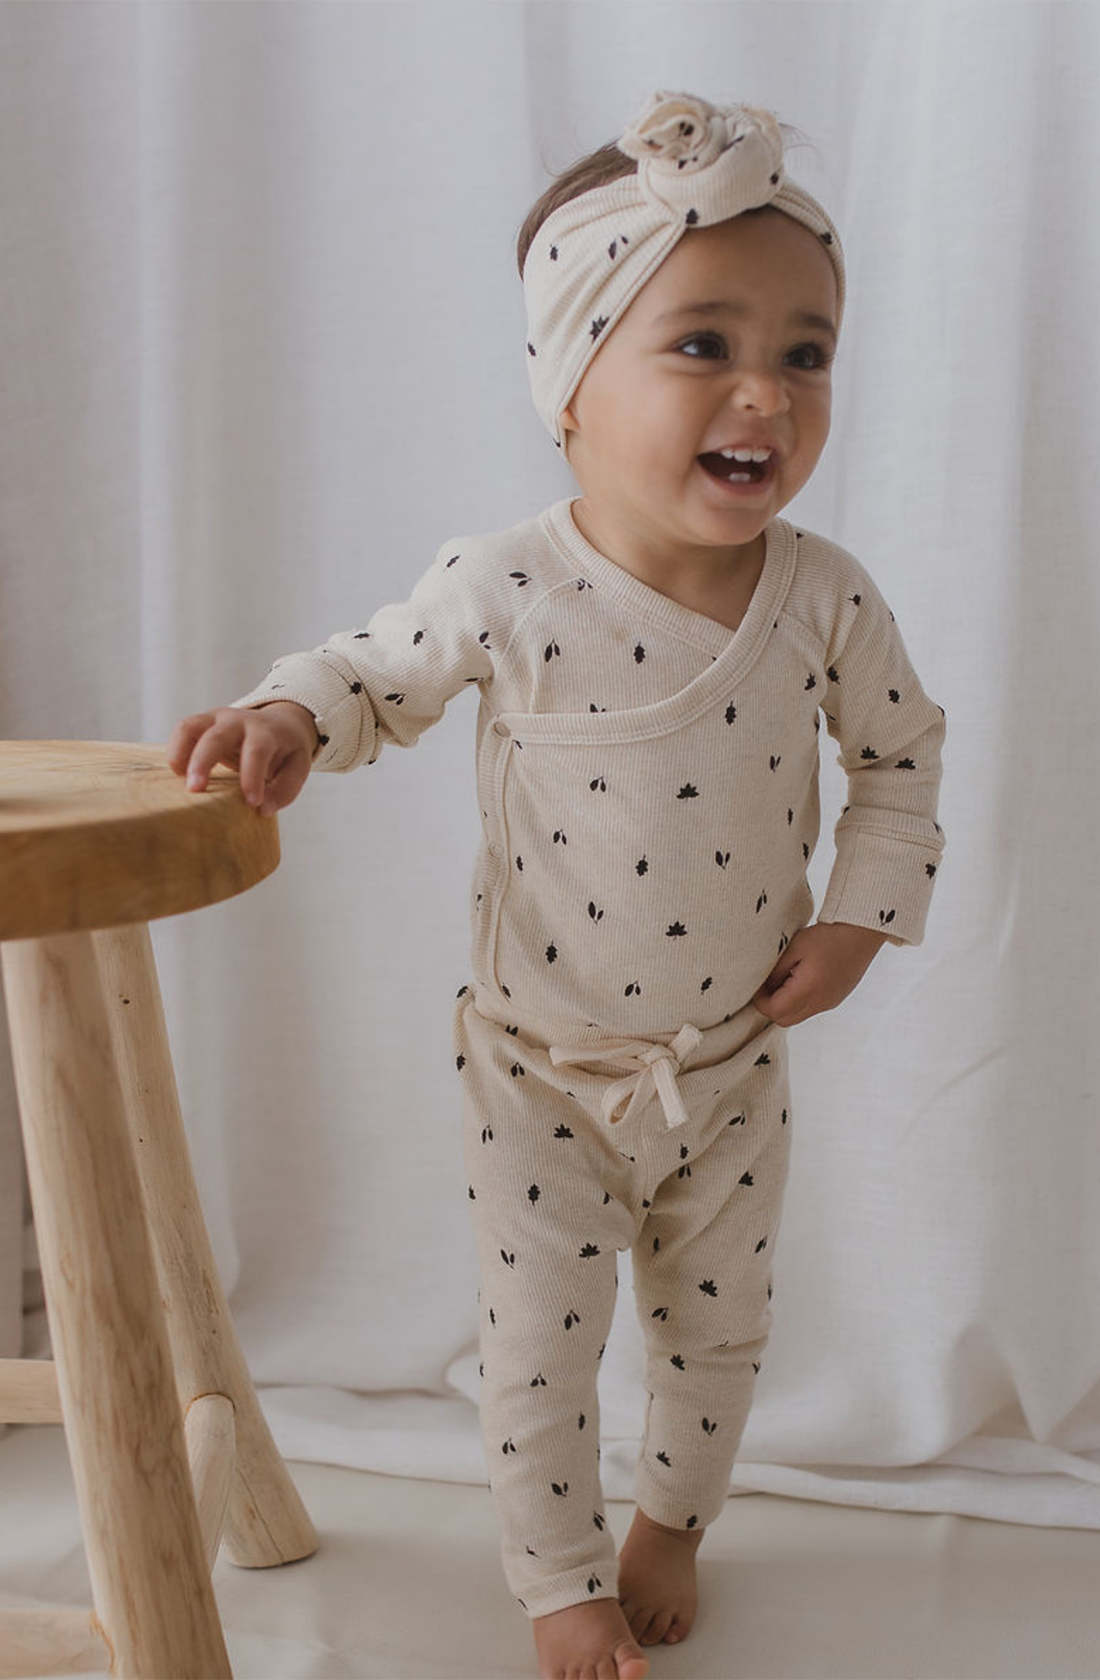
[{"x": 659, "y": 1625}]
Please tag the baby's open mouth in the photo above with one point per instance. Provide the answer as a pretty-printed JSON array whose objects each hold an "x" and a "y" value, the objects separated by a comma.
[{"x": 736, "y": 471}]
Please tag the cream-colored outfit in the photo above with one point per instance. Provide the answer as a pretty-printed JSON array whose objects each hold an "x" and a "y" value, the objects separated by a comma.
[{"x": 649, "y": 787}]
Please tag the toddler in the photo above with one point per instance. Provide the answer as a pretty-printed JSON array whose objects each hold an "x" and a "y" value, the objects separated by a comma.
[{"x": 653, "y": 659}]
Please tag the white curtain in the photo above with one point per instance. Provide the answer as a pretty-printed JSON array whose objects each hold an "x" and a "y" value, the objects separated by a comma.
[{"x": 261, "y": 353}]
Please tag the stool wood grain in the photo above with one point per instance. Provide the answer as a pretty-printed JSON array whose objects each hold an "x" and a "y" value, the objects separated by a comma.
[{"x": 169, "y": 1447}]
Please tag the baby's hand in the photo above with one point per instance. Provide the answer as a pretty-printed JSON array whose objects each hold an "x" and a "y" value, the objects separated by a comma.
[
  {"x": 271, "y": 745},
  {"x": 820, "y": 966}
]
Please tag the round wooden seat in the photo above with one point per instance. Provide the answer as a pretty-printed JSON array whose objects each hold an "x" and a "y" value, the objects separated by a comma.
[
  {"x": 170, "y": 1451},
  {"x": 97, "y": 834}
]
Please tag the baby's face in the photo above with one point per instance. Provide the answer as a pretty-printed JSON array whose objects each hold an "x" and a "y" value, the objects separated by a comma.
[{"x": 727, "y": 346}]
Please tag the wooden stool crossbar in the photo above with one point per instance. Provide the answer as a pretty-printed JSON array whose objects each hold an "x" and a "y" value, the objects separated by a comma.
[{"x": 170, "y": 1451}]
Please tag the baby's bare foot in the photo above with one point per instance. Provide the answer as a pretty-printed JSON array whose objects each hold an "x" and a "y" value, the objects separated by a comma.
[
  {"x": 589, "y": 1641},
  {"x": 657, "y": 1580}
]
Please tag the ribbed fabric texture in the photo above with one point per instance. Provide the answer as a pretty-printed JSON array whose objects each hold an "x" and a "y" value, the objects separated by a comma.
[{"x": 648, "y": 778}]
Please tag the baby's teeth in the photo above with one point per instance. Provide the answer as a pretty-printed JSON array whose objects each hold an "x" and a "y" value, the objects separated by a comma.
[{"x": 756, "y": 455}]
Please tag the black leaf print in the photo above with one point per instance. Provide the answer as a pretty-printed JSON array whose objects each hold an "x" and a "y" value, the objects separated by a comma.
[
  {"x": 739, "y": 1120},
  {"x": 594, "y": 1582},
  {"x": 709, "y": 1287},
  {"x": 708, "y": 1427},
  {"x": 572, "y": 1318},
  {"x": 905, "y": 764},
  {"x": 763, "y": 1243},
  {"x": 663, "y": 1458},
  {"x": 356, "y": 688},
  {"x": 761, "y": 901},
  {"x": 598, "y": 786},
  {"x": 598, "y": 325},
  {"x": 747, "y": 1179},
  {"x": 519, "y": 864},
  {"x": 721, "y": 859},
  {"x": 509, "y": 1446},
  {"x": 596, "y": 915},
  {"x": 598, "y": 1520},
  {"x": 731, "y": 713},
  {"x": 775, "y": 761},
  {"x": 678, "y": 1360},
  {"x": 487, "y": 1134},
  {"x": 530, "y": 348},
  {"x": 451, "y": 561},
  {"x": 483, "y": 639},
  {"x": 553, "y": 651},
  {"x": 534, "y": 1193},
  {"x": 676, "y": 931},
  {"x": 783, "y": 943},
  {"x": 560, "y": 837},
  {"x": 639, "y": 653},
  {"x": 811, "y": 682},
  {"x": 398, "y": 699},
  {"x": 661, "y": 1313},
  {"x": 588, "y": 1251},
  {"x": 611, "y": 249},
  {"x": 894, "y": 696},
  {"x": 688, "y": 792},
  {"x": 562, "y": 1132},
  {"x": 553, "y": 253},
  {"x": 930, "y": 870},
  {"x": 521, "y": 578},
  {"x": 518, "y": 1070},
  {"x": 418, "y": 638},
  {"x": 833, "y": 674},
  {"x": 691, "y": 1522},
  {"x": 707, "y": 983},
  {"x": 460, "y": 1063},
  {"x": 642, "y": 866},
  {"x": 868, "y": 752},
  {"x": 691, "y": 218},
  {"x": 805, "y": 852},
  {"x": 470, "y": 1193},
  {"x": 790, "y": 816},
  {"x": 509, "y": 1259},
  {"x": 633, "y": 990},
  {"x": 886, "y": 917},
  {"x": 561, "y": 1489},
  {"x": 763, "y": 1060},
  {"x": 538, "y": 1381},
  {"x": 551, "y": 953}
]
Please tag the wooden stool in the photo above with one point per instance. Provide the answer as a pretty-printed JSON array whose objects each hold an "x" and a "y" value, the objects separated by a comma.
[{"x": 165, "y": 1434}]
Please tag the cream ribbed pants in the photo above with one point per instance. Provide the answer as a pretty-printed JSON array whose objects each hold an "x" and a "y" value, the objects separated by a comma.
[{"x": 692, "y": 1181}]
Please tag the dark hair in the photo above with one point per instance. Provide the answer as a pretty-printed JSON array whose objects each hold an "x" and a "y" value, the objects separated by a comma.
[{"x": 594, "y": 170}]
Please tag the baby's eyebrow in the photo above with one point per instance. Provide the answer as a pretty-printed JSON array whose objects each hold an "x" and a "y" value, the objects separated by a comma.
[{"x": 719, "y": 306}]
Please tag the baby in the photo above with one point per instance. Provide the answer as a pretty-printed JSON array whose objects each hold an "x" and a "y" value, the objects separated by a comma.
[{"x": 653, "y": 659}]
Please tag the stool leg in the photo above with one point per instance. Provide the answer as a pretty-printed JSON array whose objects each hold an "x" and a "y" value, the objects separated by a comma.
[
  {"x": 266, "y": 1522},
  {"x": 123, "y": 1424}
]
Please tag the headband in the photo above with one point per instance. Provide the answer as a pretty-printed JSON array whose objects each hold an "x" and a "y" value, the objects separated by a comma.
[{"x": 697, "y": 164}]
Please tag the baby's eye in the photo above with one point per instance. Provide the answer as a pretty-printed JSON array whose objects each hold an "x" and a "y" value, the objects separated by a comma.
[
  {"x": 715, "y": 342},
  {"x": 809, "y": 356}
]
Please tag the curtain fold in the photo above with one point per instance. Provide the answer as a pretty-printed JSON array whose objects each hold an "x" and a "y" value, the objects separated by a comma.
[{"x": 262, "y": 335}]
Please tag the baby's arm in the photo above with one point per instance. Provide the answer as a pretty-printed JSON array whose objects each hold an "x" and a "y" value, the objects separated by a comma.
[{"x": 273, "y": 747}]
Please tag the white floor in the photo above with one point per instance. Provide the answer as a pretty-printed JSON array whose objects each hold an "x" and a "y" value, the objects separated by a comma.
[{"x": 407, "y": 1586}]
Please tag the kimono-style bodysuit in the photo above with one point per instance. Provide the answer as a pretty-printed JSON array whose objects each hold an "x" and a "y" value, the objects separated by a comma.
[{"x": 648, "y": 782}]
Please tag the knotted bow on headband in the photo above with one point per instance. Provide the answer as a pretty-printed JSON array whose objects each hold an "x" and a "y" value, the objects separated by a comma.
[{"x": 697, "y": 164}]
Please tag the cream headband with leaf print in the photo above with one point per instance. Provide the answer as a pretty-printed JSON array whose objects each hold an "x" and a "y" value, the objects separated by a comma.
[{"x": 697, "y": 164}]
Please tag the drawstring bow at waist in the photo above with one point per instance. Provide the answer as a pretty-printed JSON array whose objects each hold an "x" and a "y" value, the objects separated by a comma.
[{"x": 653, "y": 1068}]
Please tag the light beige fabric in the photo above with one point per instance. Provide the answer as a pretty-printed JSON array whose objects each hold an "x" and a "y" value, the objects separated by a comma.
[
  {"x": 648, "y": 779},
  {"x": 697, "y": 164}
]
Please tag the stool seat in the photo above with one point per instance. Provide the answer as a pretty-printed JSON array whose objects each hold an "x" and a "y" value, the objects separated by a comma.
[
  {"x": 170, "y": 1452},
  {"x": 101, "y": 833}
]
